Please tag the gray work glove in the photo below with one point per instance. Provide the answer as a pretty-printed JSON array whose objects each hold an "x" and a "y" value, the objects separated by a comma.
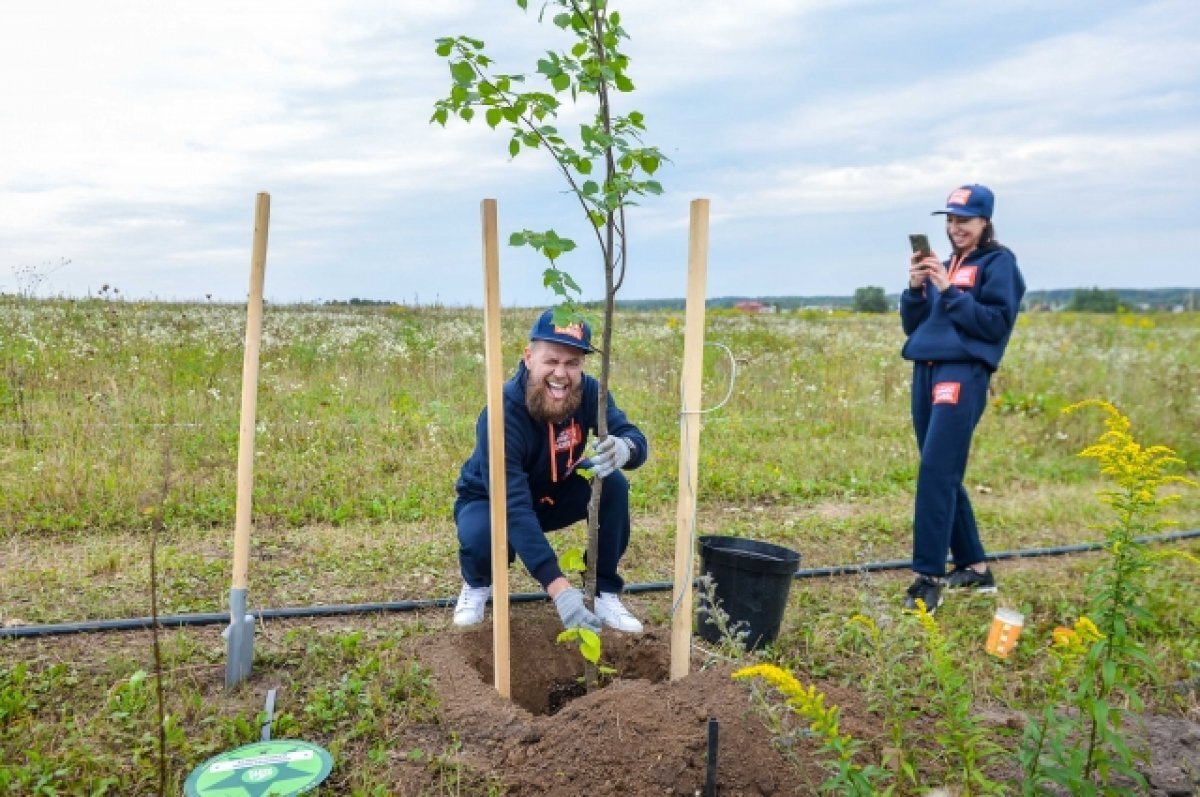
[
  {"x": 612, "y": 453},
  {"x": 573, "y": 613}
]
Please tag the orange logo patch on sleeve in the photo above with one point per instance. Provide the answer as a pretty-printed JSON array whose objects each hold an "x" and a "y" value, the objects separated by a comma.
[
  {"x": 946, "y": 392},
  {"x": 964, "y": 276}
]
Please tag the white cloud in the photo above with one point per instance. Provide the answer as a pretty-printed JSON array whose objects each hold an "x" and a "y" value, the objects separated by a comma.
[{"x": 145, "y": 128}]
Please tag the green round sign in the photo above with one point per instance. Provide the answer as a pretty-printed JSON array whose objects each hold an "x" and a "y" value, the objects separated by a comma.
[{"x": 275, "y": 768}]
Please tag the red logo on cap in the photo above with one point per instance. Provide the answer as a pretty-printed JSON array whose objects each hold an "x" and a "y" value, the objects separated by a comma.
[
  {"x": 572, "y": 330},
  {"x": 959, "y": 196},
  {"x": 946, "y": 392}
]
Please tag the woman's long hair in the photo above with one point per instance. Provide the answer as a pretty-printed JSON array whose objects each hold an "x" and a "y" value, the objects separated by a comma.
[{"x": 987, "y": 239}]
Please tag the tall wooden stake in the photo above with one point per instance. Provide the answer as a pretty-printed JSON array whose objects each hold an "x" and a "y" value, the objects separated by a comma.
[
  {"x": 240, "y": 634},
  {"x": 689, "y": 438},
  {"x": 497, "y": 493}
]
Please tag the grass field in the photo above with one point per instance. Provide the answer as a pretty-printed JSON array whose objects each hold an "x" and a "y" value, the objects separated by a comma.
[{"x": 364, "y": 417}]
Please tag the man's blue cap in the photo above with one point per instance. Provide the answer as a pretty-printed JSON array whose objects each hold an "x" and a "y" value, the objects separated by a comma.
[
  {"x": 577, "y": 334},
  {"x": 969, "y": 200}
]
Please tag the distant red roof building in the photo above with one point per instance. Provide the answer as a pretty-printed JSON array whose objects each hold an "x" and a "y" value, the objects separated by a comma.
[{"x": 750, "y": 307}]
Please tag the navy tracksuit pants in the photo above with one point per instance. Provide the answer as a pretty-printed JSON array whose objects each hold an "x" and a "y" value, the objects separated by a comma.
[
  {"x": 567, "y": 505},
  {"x": 948, "y": 400}
]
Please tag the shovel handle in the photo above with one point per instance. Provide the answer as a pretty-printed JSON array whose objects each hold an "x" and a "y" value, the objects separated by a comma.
[{"x": 245, "y": 472}]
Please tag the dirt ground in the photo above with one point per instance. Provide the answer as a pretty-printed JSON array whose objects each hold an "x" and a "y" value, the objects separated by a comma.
[
  {"x": 643, "y": 734},
  {"x": 640, "y": 734}
]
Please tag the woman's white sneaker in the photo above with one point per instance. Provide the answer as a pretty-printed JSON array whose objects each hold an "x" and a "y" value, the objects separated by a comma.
[
  {"x": 471, "y": 603},
  {"x": 613, "y": 614}
]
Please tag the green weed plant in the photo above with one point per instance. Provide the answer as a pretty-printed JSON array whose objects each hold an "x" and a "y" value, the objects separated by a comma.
[
  {"x": 1085, "y": 749},
  {"x": 847, "y": 777}
]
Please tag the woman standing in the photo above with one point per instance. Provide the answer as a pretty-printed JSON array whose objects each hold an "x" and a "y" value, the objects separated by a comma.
[{"x": 958, "y": 316}]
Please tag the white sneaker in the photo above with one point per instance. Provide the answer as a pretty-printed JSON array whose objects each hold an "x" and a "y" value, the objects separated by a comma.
[
  {"x": 471, "y": 602},
  {"x": 613, "y": 614}
]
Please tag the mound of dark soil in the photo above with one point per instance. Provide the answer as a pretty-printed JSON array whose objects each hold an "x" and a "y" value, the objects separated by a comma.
[
  {"x": 643, "y": 734},
  {"x": 639, "y": 734}
]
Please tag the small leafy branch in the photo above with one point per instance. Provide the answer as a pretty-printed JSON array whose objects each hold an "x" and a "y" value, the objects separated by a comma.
[
  {"x": 957, "y": 729},
  {"x": 1083, "y": 751},
  {"x": 590, "y": 646},
  {"x": 847, "y": 777},
  {"x": 609, "y": 146},
  {"x": 1052, "y": 729},
  {"x": 891, "y": 688},
  {"x": 732, "y": 636}
]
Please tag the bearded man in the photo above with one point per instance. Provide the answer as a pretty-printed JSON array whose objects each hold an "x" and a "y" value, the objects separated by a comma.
[{"x": 549, "y": 409}]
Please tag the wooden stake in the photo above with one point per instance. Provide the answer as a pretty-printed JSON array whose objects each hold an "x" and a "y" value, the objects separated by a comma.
[
  {"x": 689, "y": 438},
  {"x": 245, "y": 472},
  {"x": 497, "y": 492}
]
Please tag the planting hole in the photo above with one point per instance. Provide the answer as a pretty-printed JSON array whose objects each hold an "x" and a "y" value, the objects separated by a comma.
[{"x": 546, "y": 676}]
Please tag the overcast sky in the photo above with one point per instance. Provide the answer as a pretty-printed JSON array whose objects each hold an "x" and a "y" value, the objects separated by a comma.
[{"x": 135, "y": 135}]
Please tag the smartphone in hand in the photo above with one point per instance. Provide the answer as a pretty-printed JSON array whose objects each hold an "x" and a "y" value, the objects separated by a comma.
[{"x": 920, "y": 244}]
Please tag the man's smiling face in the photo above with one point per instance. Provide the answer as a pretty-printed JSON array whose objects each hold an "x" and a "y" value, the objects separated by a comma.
[{"x": 555, "y": 385}]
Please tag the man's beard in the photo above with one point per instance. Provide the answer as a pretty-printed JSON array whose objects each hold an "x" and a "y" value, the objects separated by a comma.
[{"x": 541, "y": 407}]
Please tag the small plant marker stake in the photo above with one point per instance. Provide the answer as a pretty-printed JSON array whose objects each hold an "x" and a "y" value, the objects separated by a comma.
[
  {"x": 498, "y": 495},
  {"x": 710, "y": 778},
  {"x": 689, "y": 437},
  {"x": 239, "y": 652}
]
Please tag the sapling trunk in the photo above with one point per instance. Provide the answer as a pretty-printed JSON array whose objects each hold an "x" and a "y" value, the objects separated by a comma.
[{"x": 595, "y": 65}]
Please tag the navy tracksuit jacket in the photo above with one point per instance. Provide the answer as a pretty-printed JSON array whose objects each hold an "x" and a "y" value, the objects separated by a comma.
[
  {"x": 544, "y": 491},
  {"x": 955, "y": 340}
]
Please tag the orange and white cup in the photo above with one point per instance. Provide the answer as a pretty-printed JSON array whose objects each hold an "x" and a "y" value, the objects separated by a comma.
[{"x": 1006, "y": 628}]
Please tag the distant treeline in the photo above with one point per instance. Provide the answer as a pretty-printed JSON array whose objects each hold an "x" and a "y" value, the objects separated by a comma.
[
  {"x": 1058, "y": 299},
  {"x": 1084, "y": 299}
]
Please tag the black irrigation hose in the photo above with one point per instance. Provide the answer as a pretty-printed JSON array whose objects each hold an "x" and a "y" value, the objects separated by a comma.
[{"x": 181, "y": 620}]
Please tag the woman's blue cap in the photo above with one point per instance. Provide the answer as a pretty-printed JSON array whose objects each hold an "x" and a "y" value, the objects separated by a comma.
[{"x": 969, "y": 200}]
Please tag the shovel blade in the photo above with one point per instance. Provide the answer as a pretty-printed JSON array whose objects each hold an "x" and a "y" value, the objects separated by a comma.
[{"x": 239, "y": 639}]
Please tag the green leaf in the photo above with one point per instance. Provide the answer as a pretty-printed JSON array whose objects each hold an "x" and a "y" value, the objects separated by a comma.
[
  {"x": 622, "y": 82},
  {"x": 514, "y": 146},
  {"x": 579, "y": 50},
  {"x": 516, "y": 239},
  {"x": 548, "y": 69},
  {"x": 1100, "y": 712},
  {"x": 562, "y": 20},
  {"x": 569, "y": 635},
  {"x": 467, "y": 114},
  {"x": 462, "y": 73},
  {"x": 583, "y": 166},
  {"x": 493, "y": 117},
  {"x": 523, "y": 4},
  {"x": 571, "y": 561},
  {"x": 440, "y": 116},
  {"x": 590, "y": 187},
  {"x": 1108, "y": 673},
  {"x": 561, "y": 81},
  {"x": 589, "y": 645},
  {"x": 445, "y": 47},
  {"x": 653, "y": 187},
  {"x": 649, "y": 163}
]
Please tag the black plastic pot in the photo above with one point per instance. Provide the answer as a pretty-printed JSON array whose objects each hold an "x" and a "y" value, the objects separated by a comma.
[{"x": 752, "y": 580}]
